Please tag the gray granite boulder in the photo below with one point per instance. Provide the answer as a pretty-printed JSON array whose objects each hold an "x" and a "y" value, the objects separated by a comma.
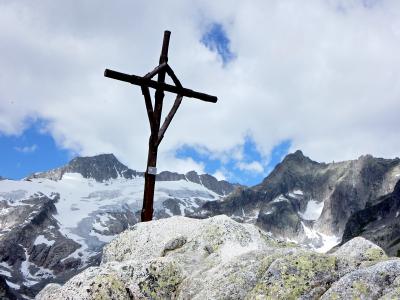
[{"x": 219, "y": 258}]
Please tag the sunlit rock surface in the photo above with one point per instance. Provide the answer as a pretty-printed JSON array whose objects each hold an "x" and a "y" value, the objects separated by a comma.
[{"x": 218, "y": 258}]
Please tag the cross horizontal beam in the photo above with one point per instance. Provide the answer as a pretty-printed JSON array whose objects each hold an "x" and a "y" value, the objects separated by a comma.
[{"x": 142, "y": 81}]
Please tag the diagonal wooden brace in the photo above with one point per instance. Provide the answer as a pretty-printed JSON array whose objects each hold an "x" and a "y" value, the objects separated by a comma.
[{"x": 168, "y": 118}]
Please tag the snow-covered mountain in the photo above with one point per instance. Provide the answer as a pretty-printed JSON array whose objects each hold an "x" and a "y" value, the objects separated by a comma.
[
  {"x": 54, "y": 224},
  {"x": 310, "y": 202}
]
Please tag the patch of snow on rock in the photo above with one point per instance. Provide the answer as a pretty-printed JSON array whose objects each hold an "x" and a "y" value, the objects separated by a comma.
[
  {"x": 296, "y": 193},
  {"x": 313, "y": 210},
  {"x": 5, "y": 273},
  {"x": 29, "y": 280},
  {"x": 13, "y": 285},
  {"x": 280, "y": 198},
  {"x": 328, "y": 241},
  {"x": 41, "y": 239}
]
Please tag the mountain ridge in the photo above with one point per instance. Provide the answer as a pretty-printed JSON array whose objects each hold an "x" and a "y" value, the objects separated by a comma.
[
  {"x": 298, "y": 184},
  {"x": 105, "y": 167},
  {"x": 92, "y": 199},
  {"x": 54, "y": 224}
]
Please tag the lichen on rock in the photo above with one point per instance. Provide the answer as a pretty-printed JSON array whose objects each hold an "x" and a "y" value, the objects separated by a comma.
[
  {"x": 299, "y": 274},
  {"x": 218, "y": 258},
  {"x": 368, "y": 283},
  {"x": 161, "y": 281},
  {"x": 360, "y": 250}
]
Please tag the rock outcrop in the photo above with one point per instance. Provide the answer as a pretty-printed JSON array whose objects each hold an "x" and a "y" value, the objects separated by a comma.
[{"x": 218, "y": 258}]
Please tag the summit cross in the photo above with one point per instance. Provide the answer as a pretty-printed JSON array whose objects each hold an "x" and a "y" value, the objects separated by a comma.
[{"x": 154, "y": 114}]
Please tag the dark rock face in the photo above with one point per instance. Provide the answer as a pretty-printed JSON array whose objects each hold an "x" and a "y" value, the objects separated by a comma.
[
  {"x": 241, "y": 200},
  {"x": 101, "y": 168},
  {"x": 170, "y": 176},
  {"x": 339, "y": 189},
  {"x": 221, "y": 187},
  {"x": 282, "y": 216},
  {"x": 379, "y": 223},
  {"x": 2, "y": 178},
  {"x": 5, "y": 292}
]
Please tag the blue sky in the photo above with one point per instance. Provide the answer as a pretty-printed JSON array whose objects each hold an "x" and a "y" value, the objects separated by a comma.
[
  {"x": 35, "y": 149},
  {"x": 321, "y": 77},
  {"x": 216, "y": 39},
  {"x": 232, "y": 168},
  {"x": 235, "y": 170},
  {"x": 32, "y": 151}
]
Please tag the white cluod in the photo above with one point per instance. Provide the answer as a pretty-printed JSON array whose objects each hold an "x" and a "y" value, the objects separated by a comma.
[{"x": 313, "y": 210}]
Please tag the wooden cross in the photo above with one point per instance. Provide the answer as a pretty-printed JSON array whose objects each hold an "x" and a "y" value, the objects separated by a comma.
[{"x": 154, "y": 115}]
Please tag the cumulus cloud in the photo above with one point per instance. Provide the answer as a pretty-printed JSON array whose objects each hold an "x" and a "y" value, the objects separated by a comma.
[
  {"x": 26, "y": 149},
  {"x": 253, "y": 166},
  {"x": 219, "y": 175},
  {"x": 323, "y": 74}
]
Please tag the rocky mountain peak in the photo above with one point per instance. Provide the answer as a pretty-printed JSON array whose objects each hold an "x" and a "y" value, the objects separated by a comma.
[
  {"x": 100, "y": 167},
  {"x": 366, "y": 157},
  {"x": 104, "y": 167},
  {"x": 101, "y": 158},
  {"x": 286, "y": 174},
  {"x": 298, "y": 153},
  {"x": 298, "y": 186},
  {"x": 297, "y": 158},
  {"x": 193, "y": 176}
]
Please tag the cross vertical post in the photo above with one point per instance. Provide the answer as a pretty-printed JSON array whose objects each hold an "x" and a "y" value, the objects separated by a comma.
[
  {"x": 154, "y": 115},
  {"x": 150, "y": 174}
]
